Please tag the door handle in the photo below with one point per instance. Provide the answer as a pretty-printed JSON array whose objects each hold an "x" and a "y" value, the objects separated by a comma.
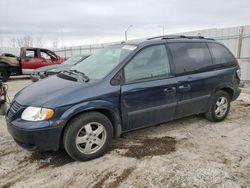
[
  {"x": 170, "y": 89},
  {"x": 185, "y": 87}
]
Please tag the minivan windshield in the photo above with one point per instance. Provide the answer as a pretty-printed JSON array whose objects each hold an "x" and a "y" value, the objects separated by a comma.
[
  {"x": 72, "y": 60},
  {"x": 98, "y": 65}
]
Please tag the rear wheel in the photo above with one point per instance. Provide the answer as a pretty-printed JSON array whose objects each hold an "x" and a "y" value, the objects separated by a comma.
[
  {"x": 3, "y": 108},
  {"x": 4, "y": 76},
  {"x": 219, "y": 107},
  {"x": 88, "y": 136}
]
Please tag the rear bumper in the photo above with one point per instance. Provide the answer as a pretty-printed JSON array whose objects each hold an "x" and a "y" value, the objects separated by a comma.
[
  {"x": 236, "y": 94},
  {"x": 43, "y": 139}
]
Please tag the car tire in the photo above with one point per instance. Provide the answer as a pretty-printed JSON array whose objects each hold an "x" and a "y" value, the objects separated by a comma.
[
  {"x": 88, "y": 136},
  {"x": 219, "y": 107},
  {"x": 3, "y": 108},
  {"x": 4, "y": 76}
]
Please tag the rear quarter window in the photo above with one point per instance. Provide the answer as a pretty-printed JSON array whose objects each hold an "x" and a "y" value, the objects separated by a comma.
[
  {"x": 189, "y": 57},
  {"x": 220, "y": 54}
]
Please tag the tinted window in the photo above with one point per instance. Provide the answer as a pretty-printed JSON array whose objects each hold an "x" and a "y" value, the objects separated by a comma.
[
  {"x": 150, "y": 63},
  {"x": 190, "y": 57},
  {"x": 220, "y": 54}
]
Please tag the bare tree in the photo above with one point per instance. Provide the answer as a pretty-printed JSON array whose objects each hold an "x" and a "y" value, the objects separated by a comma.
[
  {"x": 26, "y": 41},
  {"x": 1, "y": 41},
  {"x": 13, "y": 42},
  {"x": 55, "y": 44},
  {"x": 39, "y": 42}
]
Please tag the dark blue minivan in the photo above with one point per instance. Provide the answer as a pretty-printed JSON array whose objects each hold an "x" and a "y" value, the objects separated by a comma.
[{"x": 121, "y": 88}]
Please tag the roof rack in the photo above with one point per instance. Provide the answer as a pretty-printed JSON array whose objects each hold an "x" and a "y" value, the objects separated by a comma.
[{"x": 178, "y": 37}]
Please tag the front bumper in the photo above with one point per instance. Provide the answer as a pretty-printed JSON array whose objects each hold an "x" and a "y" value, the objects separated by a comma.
[
  {"x": 43, "y": 139},
  {"x": 34, "y": 78}
]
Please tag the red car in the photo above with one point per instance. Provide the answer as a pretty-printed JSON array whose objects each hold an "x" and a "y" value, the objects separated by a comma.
[{"x": 30, "y": 59}]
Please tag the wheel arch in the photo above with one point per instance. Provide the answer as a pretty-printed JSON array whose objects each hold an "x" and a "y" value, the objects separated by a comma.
[
  {"x": 4, "y": 64},
  {"x": 111, "y": 113},
  {"x": 227, "y": 88}
]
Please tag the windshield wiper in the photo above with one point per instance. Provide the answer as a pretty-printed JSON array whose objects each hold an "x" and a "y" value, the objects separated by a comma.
[
  {"x": 86, "y": 78},
  {"x": 79, "y": 74}
]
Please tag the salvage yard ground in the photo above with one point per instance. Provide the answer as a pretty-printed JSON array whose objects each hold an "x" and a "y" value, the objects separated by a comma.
[{"x": 189, "y": 152}]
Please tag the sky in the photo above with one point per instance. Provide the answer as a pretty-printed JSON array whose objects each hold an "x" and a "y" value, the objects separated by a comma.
[{"x": 80, "y": 22}]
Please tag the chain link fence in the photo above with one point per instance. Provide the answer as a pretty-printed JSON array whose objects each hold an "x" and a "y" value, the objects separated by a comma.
[
  {"x": 229, "y": 36},
  {"x": 81, "y": 50}
]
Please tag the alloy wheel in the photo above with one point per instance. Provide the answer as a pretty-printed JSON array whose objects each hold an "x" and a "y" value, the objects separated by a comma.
[{"x": 90, "y": 138}]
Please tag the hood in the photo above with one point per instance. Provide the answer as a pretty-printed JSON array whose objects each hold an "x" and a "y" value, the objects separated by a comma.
[
  {"x": 50, "y": 67},
  {"x": 54, "y": 92}
]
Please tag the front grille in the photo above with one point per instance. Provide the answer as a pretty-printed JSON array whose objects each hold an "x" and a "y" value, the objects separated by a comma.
[{"x": 15, "y": 108}]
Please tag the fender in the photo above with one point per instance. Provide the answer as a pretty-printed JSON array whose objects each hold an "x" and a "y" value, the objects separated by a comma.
[
  {"x": 4, "y": 64},
  {"x": 92, "y": 106},
  {"x": 220, "y": 86},
  {"x": 227, "y": 85}
]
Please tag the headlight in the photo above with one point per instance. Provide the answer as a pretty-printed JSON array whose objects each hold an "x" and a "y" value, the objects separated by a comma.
[{"x": 37, "y": 114}]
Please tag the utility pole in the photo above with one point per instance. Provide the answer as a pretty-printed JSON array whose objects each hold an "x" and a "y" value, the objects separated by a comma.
[
  {"x": 163, "y": 30},
  {"x": 126, "y": 32}
]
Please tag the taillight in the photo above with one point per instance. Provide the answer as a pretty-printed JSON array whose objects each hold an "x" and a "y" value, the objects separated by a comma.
[{"x": 238, "y": 72}]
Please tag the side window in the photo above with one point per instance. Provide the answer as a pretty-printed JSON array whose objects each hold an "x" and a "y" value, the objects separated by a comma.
[
  {"x": 30, "y": 54},
  {"x": 45, "y": 55},
  {"x": 150, "y": 63},
  {"x": 190, "y": 57},
  {"x": 220, "y": 54},
  {"x": 48, "y": 55}
]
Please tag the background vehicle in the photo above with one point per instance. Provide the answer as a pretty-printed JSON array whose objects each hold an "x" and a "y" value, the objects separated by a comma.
[
  {"x": 30, "y": 59},
  {"x": 44, "y": 72},
  {"x": 122, "y": 88},
  {"x": 3, "y": 95}
]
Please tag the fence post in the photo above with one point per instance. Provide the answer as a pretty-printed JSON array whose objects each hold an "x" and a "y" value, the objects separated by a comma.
[
  {"x": 65, "y": 53},
  {"x": 80, "y": 50},
  {"x": 240, "y": 42},
  {"x": 90, "y": 51}
]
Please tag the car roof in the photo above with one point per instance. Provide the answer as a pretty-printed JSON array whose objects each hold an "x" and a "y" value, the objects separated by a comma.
[{"x": 168, "y": 38}]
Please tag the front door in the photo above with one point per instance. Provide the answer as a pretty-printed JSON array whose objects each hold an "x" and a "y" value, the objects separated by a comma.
[
  {"x": 30, "y": 60},
  {"x": 148, "y": 95}
]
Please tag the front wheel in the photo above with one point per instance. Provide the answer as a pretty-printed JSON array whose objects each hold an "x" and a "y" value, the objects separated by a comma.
[
  {"x": 88, "y": 136},
  {"x": 219, "y": 107}
]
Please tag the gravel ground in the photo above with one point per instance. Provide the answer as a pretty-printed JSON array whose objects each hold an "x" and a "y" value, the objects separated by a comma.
[{"x": 189, "y": 152}]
